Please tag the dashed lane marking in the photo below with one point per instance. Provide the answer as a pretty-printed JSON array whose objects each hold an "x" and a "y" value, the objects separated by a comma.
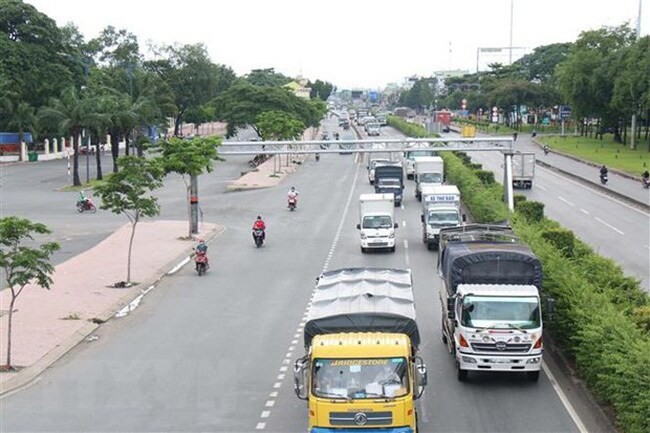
[
  {"x": 609, "y": 225},
  {"x": 566, "y": 201}
]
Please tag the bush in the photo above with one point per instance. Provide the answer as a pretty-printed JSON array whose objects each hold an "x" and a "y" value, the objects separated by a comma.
[
  {"x": 518, "y": 198},
  {"x": 561, "y": 239},
  {"x": 486, "y": 177},
  {"x": 533, "y": 211},
  {"x": 641, "y": 316}
]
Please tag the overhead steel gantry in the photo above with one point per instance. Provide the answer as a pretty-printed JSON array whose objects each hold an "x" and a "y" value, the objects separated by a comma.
[{"x": 504, "y": 145}]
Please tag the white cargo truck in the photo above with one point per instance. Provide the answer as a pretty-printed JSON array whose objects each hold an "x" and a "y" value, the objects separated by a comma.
[
  {"x": 490, "y": 299},
  {"x": 410, "y": 155},
  {"x": 440, "y": 209},
  {"x": 377, "y": 221},
  {"x": 523, "y": 170},
  {"x": 429, "y": 170}
]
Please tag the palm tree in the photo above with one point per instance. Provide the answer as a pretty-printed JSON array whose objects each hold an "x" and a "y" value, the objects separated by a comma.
[
  {"x": 70, "y": 114},
  {"x": 22, "y": 119}
]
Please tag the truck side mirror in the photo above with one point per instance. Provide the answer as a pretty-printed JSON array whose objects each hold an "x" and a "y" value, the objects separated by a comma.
[
  {"x": 422, "y": 218},
  {"x": 464, "y": 218},
  {"x": 420, "y": 377},
  {"x": 395, "y": 225},
  {"x": 358, "y": 226},
  {"x": 300, "y": 384},
  {"x": 451, "y": 312}
]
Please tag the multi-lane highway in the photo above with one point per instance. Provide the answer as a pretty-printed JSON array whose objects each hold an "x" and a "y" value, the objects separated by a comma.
[{"x": 215, "y": 353}]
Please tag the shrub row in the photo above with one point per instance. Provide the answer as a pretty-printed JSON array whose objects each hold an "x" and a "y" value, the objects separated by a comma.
[{"x": 602, "y": 318}]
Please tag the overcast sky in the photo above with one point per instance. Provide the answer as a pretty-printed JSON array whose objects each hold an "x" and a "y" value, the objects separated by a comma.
[{"x": 350, "y": 43}]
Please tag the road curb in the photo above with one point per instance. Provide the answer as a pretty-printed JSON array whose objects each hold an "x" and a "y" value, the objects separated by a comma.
[{"x": 27, "y": 375}]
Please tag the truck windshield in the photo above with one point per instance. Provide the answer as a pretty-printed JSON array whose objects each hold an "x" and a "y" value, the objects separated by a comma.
[
  {"x": 430, "y": 178},
  {"x": 443, "y": 218},
  {"x": 360, "y": 378},
  {"x": 501, "y": 312},
  {"x": 411, "y": 154},
  {"x": 377, "y": 222}
]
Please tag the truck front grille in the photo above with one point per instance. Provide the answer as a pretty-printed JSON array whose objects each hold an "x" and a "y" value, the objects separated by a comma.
[
  {"x": 361, "y": 418},
  {"x": 507, "y": 348}
]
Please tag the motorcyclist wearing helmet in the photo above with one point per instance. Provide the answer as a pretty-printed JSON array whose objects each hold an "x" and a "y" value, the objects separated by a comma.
[
  {"x": 258, "y": 224},
  {"x": 603, "y": 171},
  {"x": 201, "y": 250}
]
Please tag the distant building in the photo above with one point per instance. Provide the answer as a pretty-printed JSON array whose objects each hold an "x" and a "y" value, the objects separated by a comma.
[{"x": 298, "y": 86}]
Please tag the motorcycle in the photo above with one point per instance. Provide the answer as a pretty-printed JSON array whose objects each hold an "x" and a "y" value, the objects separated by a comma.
[
  {"x": 646, "y": 183},
  {"x": 603, "y": 179},
  {"x": 293, "y": 202},
  {"x": 317, "y": 157},
  {"x": 545, "y": 150},
  {"x": 258, "y": 234},
  {"x": 86, "y": 205},
  {"x": 201, "y": 260}
]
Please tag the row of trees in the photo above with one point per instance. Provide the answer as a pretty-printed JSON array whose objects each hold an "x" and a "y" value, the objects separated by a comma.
[
  {"x": 604, "y": 75},
  {"x": 53, "y": 82}
]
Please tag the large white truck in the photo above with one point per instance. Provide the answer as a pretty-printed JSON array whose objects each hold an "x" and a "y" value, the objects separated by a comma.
[
  {"x": 440, "y": 209},
  {"x": 490, "y": 299},
  {"x": 377, "y": 221},
  {"x": 429, "y": 170},
  {"x": 523, "y": 170},
  {"x": 409, "y": 158}
]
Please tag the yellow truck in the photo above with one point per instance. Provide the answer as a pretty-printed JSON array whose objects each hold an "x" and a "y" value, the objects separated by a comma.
[{"x": 360, "y": 371}]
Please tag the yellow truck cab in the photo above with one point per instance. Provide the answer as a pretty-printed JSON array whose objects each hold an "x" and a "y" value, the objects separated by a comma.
[{"x": 360, "y": 370}]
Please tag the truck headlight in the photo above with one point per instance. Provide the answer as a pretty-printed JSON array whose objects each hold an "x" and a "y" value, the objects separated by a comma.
[
  {"x": 468, "y": 360},
  {"x": 534, "y": 360},
  {"x": 392, "y": 235},
  {"x": 363, "y": 235}
]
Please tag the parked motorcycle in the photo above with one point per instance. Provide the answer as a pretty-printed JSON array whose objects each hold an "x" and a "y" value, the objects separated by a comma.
[
  {"x": 293, "y": 202},
  {"x": 258, "y": 234},
  {"x": 201, "y": 260},
  {"x": 86, "y": 206},
  {"x": 603, "y": 179}
]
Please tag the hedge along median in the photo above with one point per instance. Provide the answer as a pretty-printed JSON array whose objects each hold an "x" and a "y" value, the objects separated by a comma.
[{"x": 602, "y": 318}]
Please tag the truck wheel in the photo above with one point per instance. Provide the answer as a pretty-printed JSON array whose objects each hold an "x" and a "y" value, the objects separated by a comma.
[
  {"x": 392, "y": 249},
  {"x": 462, "y": 375},
  {"x": 444, "y": 337},
  {"x": 363, "y": 250},
  {"x": 429, "y": 246},
  {"x": 533, "y": 376}
]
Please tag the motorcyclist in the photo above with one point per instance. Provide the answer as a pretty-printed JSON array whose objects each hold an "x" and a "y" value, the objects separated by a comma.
[
  {"x": 603, "y": 173},
  {"x": 645, "y": 177},
  {"x": 545, "y": 149},
  {"x": 259, "y": 225},
  {"x": 201, "y": 249},
  {"x": 336, "y": 135},
  {"x": 83, "y": 199},
  {"x": 292, "y": 194}
]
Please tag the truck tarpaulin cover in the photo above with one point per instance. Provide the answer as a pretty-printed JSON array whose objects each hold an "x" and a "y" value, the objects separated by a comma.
[
  {"x": 363, "y": 300},
  {"x": 489, "y": 263}
]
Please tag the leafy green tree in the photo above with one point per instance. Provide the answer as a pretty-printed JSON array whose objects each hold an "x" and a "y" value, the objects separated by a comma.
[
  {"x": 200, "y": 115},
  {"x": 515, "y": 92},
  {"x": 70, "y": 114},
  {"x": 631, "y": 94},
  {"x": 320, "y": 89},
  {"x": 29, "y": 40},
  {"x": 189, "y": 158},
  {"x": 539, "y": 66},
  {"x": 192, "y": 77},
  {"x": 267, "y": 77},
  {"x": 279, "y": 125},
  {"x": 242, "y": 103},
  {"x": 128, "y": 191},
  {"x": 22, "y": 264},
  {"x": 420, "y": 96}
]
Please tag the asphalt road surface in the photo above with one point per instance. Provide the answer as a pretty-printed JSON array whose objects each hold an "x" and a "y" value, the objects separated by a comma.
[{"x": 215, "y": 353}]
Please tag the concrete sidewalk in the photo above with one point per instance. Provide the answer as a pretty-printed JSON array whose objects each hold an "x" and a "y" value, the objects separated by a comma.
[{"x": 48, "y": 323}]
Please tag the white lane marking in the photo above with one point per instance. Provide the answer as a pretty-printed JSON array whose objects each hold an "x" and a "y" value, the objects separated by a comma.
[
  {"x": 565, "y": 179},
  {"x": 540, "y": 187},
  {"x": 287, "y": 358},
  {"x": 566, "y": 201},
  {"x": 403, "y": 223},
  {"x": 402, "y": 206},
  {"x": 563, "y": 398},
  {"x": 265, "y": 414},
  {"x": 584, "y": 211},
  {"x": 609, "y": 225},
  {"x": 648, "y": 247},
  {"x": 406, "y": 253},
  {"x": 178, "y": 266}
]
